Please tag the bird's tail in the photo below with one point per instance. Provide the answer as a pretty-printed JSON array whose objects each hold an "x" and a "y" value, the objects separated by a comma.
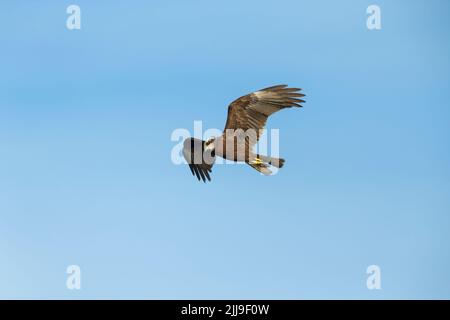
[
  {"x": 276, "y": 162},
  {"x": 262, "y": 164}
]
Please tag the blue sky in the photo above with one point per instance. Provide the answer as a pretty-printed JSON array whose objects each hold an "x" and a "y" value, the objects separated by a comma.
[{"x": 86, "y": 176}]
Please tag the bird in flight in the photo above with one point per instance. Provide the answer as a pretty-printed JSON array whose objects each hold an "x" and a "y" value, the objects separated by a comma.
[{"x": 247, "y": 117}]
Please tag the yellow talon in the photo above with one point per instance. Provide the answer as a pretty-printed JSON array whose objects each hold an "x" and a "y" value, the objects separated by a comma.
[{"x": 257, "y": 161}]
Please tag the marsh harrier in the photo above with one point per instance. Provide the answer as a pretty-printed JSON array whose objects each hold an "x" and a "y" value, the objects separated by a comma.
[{"x": 247, "y": 117}]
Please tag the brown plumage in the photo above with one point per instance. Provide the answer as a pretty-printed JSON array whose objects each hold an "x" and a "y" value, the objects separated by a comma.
[
  {"x": 199, "y": 161},
  {"x": 247, "y": 117},
  {"x": 252, "y": 110}
]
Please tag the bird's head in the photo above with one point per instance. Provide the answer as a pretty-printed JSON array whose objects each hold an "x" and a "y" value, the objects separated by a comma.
[{"x": 209, "y": 144}]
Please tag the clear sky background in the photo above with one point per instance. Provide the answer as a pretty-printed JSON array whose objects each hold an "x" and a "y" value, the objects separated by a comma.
[{"x": 86, "y": 176}]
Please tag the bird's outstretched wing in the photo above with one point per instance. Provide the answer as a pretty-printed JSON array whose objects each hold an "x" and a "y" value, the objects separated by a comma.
[
  {"x": 200, "y": 161},
  {"x": 251, "y": 111}
]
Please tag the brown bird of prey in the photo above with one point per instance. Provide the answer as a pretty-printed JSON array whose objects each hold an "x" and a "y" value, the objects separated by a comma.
[{"x": 247, "y": 117}]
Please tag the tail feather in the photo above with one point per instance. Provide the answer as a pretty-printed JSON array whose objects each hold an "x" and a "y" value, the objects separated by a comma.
[
  {"x": 261, "y": 167},
  {"x": 276, "y": 162},
  {"x": 262, "y": 163}
]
